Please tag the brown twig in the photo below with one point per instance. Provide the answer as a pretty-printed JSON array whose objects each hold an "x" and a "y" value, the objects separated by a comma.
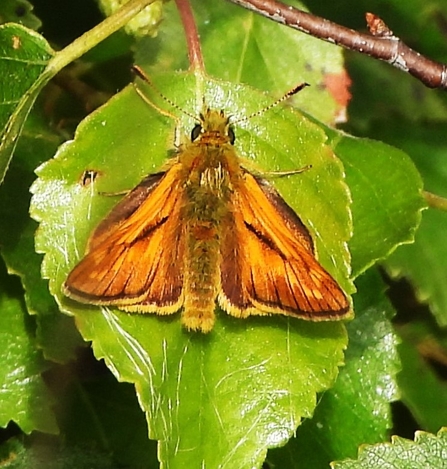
[{"x": 380, "y": 44}]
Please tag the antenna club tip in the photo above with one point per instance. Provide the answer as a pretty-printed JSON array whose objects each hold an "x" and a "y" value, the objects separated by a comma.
[
  {"x": 140, "y": 73},
  {"x": 297, "y": 88}
]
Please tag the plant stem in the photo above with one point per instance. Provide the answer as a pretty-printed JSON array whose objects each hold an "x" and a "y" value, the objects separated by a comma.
[
  {"x": 436, "y": 201},
  {"x": 192, "y": 35},
  {"x": 194, "y": 49},
  {"x": 91, "y": 38}
]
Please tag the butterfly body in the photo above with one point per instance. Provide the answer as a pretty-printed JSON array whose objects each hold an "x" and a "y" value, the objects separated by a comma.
[
  {"x": 206, "y": 229},
  {"x": 211, "y": 174}
]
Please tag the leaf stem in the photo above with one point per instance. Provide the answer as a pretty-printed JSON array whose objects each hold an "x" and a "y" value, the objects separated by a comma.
[
  {"x": 436, "y": 201},
  {"x": 192, "y": 35}
]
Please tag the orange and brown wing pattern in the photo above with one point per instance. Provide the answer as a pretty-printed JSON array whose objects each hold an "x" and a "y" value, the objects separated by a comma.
[
  {"x": 134, "y": 257},
  {"x": 268, "y": 262}
]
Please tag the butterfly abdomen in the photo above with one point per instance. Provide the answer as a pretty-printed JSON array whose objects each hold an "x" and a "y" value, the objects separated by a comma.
[{"x": 201, "y": 275}]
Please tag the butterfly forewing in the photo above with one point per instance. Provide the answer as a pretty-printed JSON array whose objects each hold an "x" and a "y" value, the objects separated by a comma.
[{"x": 134, "y": 257}]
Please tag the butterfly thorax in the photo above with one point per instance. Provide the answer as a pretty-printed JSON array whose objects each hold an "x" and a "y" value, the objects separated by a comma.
[{"x": 211, "y": 166}]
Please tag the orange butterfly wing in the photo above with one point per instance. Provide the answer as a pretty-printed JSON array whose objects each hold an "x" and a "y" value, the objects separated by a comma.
[
  {"x": 268, "y": 262},
  {"x": 134, "y": 256}
]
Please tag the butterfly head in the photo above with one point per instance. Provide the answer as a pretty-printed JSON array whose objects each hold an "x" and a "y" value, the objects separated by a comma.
[{"x": 214, "y": 128}]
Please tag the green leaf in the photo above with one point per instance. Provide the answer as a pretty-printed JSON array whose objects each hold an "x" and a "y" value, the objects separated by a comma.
[
  {"x": 242, "y": 47},
  {"x": 424, "y": 263},
  {"x": 386, "y": 194},
  {"x": 56, "y": 334},
  {"x": 24, "y": 396},
  {"x": 356, "y": 410},
  {"x": 426, "y": 452},
  {"x": 246, "y": 385},
  {"x": 23, "y": 57}
]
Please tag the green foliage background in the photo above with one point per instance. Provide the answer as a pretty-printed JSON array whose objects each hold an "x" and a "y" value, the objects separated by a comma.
[{"x": 322, "y": 390}]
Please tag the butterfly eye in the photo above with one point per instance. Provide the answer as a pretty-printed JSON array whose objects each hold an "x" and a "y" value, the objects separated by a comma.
[
  {"x": 231, "y": 135},
  {"x": 196, "y": 131}
]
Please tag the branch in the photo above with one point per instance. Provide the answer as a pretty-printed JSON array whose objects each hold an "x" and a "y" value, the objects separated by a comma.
[{"x": 380, "y": 43}]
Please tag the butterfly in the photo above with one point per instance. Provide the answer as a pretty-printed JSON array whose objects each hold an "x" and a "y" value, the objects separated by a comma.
[{"x": 205, "y": 230}]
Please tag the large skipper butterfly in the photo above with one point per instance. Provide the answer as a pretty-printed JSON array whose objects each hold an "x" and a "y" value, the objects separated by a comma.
[{"x": 205, "y": 229}]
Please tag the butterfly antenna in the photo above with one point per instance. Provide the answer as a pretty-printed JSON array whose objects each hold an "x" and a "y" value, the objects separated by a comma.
[
  {"x": 287, "y": 95},
  {"x": 140, "y": 73}
]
